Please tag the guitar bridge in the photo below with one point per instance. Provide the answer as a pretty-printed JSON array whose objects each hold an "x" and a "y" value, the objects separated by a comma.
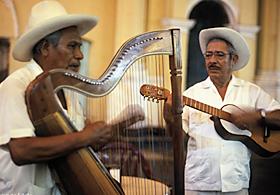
[{"x": 266, "y": 134}]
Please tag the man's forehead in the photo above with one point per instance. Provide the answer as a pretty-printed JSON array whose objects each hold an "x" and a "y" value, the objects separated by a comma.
[
  {"x": 71, "y": 34},
  {"x": 217, "y": 44}
]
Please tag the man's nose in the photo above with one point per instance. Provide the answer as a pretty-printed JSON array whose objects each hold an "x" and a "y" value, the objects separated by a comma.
[{"x": 78, "y": 54}]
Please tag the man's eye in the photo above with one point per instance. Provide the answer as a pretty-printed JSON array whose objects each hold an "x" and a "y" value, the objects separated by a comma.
[
  {"x": 220, "y": 54},
  {"x": 72, "y": 45},
  {"x": 208, "y": 54}
]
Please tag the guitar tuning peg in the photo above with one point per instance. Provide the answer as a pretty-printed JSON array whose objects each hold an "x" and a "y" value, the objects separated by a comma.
[
  {"x": 148, "y": 98},
  {"x": 157, "y": 101}
]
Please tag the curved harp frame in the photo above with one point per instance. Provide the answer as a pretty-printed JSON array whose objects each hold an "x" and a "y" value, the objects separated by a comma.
[{"x": 48, "y": 117}]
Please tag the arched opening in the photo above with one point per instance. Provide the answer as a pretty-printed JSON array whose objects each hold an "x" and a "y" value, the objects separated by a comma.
[{"x": 206, "y": 14}]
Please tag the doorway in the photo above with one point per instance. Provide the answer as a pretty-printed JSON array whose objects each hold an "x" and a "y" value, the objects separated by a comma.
[{"x": 206, "y": 14}]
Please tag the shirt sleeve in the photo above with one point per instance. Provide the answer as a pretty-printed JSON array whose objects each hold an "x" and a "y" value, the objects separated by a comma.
[
  {"x": 185, "y": 115},
  {"x": 266, "y": 101},
  {"x": 14, "y": 119}
]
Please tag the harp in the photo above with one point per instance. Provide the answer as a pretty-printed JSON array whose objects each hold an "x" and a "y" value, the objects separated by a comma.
[{"x": 147, "y": 158}]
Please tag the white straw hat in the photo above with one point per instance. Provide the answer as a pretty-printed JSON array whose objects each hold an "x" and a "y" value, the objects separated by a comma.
[
  {"x": 233, "y": 37},
  {"x": 47, "y": 17}
]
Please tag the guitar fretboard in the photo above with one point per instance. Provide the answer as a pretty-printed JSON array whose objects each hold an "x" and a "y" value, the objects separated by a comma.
[{"x": 207, "y": 109}]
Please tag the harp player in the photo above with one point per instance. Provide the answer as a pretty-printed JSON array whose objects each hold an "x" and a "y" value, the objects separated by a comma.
[{"x": 52, "y": 40}]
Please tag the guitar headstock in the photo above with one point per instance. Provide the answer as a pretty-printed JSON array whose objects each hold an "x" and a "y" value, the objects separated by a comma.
[{"x": 154, "y": 93}]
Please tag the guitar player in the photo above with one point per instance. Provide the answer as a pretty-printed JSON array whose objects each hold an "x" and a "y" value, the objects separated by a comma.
[
  {"x": 52, "y": 40},
  {"x": 215, "y": 165}
]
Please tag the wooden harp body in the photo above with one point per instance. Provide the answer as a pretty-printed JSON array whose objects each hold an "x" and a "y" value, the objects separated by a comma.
[{"x": 85, "y": 171}]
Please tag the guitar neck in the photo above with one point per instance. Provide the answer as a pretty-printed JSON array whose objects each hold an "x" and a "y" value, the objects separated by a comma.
[{"x": 207, "y": 109}]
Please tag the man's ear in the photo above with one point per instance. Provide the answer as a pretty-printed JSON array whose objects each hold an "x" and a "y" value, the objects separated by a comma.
[
  {"x": 234, "y": 59},
  {"x": 45, "y": 48}
]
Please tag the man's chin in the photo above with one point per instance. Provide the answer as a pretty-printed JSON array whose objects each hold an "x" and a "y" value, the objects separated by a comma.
[{"x": 214, "y": 73}]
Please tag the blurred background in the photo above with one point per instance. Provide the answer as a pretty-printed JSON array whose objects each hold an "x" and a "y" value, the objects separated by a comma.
[
  {"x": 119, "y": 20},
  {"x": 257, "y": 20}
]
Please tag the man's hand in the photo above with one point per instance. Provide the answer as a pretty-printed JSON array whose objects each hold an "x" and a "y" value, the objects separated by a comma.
[
  {"x": 129, "y": 116},
  {"x": 167, "y": 110},
  {"x": 98, "y": 133},
  {"x": 101, "y": 133},
  {"x": 246, "y": 120},
  {"x": 128, "y": 122}
]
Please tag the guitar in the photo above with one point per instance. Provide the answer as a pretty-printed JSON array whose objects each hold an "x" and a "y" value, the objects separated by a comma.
[{"x": 261, "y": 141}]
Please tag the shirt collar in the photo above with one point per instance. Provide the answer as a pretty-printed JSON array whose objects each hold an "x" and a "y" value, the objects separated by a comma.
[
  {"x": 207, "y": 83},
  {"x": 34, "y": 68}
]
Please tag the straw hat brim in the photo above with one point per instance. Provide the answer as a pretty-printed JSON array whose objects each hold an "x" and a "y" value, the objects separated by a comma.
[
  {"x": 24, "y": 45},
  {"x": 233, "y": 37}
]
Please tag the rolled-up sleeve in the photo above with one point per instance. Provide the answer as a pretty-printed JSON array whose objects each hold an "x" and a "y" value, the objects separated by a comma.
[{"x": 14, "y": 119}]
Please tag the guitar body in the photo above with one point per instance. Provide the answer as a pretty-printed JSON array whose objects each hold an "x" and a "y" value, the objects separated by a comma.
[{"x": 255, "y": 141}]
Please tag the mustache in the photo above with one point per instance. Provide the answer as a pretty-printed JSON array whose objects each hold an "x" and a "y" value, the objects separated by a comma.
[{"x": 214, "y": 67}]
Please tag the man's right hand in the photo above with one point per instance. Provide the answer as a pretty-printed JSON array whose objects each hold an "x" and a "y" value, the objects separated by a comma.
[
  {"x": 167, "y": 111},
  {"x": 98, "y": 133}
]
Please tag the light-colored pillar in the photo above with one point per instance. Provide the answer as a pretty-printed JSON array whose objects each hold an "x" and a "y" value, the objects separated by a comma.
[
  {"x": 269, "y": 53},
  {"x": 247, "y": 24},
  {"x": 175, "y": 17},
  {"x": 269, "y": 48},
  {"x": 130, "y": 20}
]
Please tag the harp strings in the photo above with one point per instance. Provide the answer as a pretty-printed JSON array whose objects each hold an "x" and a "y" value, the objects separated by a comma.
[{"x": 141, "y": 147}]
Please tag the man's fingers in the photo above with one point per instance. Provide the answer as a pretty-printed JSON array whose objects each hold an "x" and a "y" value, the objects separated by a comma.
[{"x": 131, "y": 121}]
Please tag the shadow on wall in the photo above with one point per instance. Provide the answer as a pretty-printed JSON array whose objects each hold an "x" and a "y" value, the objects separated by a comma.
[{"x": 4, "y": 58}]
